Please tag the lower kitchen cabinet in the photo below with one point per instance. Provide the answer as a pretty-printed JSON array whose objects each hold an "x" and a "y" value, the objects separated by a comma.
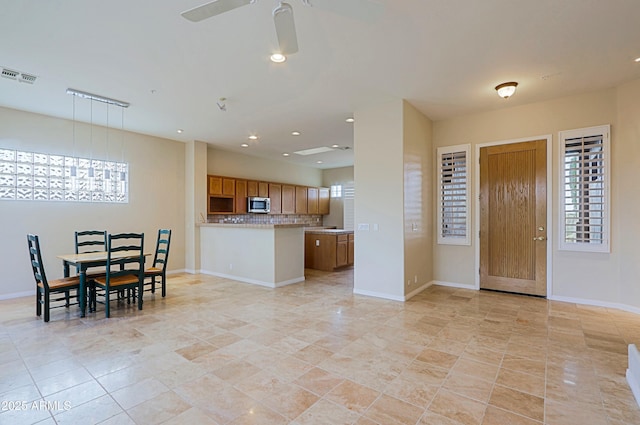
[{"x": 326, "y": 250}]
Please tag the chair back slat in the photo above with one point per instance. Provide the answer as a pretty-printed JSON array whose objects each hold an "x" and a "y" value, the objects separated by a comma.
[
  {"x": 39, "y": 275},
  {"x": 91, "y": 241},
  {"x": 162, "y": 249},
  {"x": 120, "y": 242}
]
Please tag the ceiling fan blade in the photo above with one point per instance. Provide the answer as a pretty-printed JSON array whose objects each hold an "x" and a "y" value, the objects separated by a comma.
[
  {"x": 285, "y": 28},
  {"x": 213, "y": 8}
]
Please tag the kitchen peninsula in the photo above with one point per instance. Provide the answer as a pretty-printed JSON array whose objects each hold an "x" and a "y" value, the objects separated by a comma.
[{"x": 269, "y": 255}]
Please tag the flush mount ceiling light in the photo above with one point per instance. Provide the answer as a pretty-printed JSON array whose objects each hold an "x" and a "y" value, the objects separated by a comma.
[
  {"x": 506, "y": 90},
  {"x": 285, "y": 154},
  {"x": 350, "y": 119},
  {"x": 295, "y": 133},
  {"x": 244, "y": 145},
  {"x": 278, "y": 58},
  {"x": 335, "y": 146},
  {"x": 180, "y": 131},
  {"x": 253, "y": 137}
]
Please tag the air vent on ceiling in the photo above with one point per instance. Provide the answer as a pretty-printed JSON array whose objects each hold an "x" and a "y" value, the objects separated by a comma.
[
  {"x": 9, "y": 73},
  {"x": 22, "y": 77},
  {"x": 27, "y": 78}
]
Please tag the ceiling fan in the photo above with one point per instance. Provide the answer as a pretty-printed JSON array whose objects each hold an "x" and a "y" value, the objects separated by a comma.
[{"x": 282, "y": 17}]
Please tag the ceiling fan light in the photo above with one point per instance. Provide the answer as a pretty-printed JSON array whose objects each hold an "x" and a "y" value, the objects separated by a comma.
[
  {"x": 278, "y": 58},
  {"x": 506, "y": 90}
]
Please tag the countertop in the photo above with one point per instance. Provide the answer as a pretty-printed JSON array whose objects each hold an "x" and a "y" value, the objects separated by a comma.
[
  {"x": 320, "y": 231},
  {"x": 252, "y": 225}
]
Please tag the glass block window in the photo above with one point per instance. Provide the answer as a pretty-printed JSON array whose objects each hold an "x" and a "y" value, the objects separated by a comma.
[
  {"x": 584, "y": 191},
  {"x": 34, "y": 176},
  {"x": 453, "y": 202}
]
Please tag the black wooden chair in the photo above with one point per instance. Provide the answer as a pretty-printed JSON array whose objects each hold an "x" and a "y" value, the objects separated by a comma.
[
  {"x": 46, "y": 288},
  {"x": 125, "y": 267},
  {"x": 87, "y": 241},
  {"x": 159, "y": 267},
  {"x": 91, "y": 241}
]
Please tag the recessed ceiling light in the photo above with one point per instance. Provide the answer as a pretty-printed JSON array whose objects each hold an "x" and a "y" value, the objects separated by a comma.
[
  {"x": 180, "y": 131},
  {"x": 318, "y": 162},
  {"x": 244, "y": 145},
  {"x": 350, "y": 119},
  {"x": 285, "y": 154},
  {"x": 636, "y": 60},
  {"x": 253, "y": 137},
  {"x": 278, "y": 58},
  {"x": 295, "y": 133},
  {"x": 335, "y": 146}
]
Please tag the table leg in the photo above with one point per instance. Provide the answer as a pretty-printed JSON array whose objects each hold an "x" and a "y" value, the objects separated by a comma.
[{"x": 83, "y": 292}]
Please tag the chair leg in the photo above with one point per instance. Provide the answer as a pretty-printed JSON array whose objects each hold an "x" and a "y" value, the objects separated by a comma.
[
  {"x": 164, "y": 286},
  {"x": 38, "y": 303},
  {"x": 140, "y": 291},
  {"x": 46, "y": 307},
  {"x": 106, "y": 304},
  {"x": 153, "y": 284},
  {"x": 66, "y": 299}
]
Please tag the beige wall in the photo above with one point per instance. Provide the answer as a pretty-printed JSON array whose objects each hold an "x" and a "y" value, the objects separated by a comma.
[
  {"x": 379, "y": 254},
  {"x": 157, "y": 182},
  {"x": 418, "y": 200},
  {"x": 225, "y": 163},
  {"x": 597, "y": 278}
]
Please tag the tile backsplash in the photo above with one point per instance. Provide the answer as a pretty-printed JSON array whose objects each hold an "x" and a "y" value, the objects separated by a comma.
[{"x": 310, "y": 220}]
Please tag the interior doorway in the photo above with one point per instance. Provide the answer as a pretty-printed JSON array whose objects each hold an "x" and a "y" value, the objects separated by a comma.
[{"x": 513, "y": 217}]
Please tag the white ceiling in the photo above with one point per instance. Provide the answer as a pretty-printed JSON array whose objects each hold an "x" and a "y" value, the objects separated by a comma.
[{"x": 443, "y": 56}]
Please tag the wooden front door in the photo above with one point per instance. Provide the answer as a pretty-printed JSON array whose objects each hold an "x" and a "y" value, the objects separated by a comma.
[{"x": 513, "y": 217}]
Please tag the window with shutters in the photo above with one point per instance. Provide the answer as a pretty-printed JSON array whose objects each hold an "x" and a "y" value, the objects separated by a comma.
[
  {"x": 584, "y": 191},
  {"x": 453, "y": 202}
]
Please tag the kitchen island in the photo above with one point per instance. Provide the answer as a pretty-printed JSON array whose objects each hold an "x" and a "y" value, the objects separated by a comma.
[
  {"x": 269, "y": 255},
  {"x": 328, "y": 249}
]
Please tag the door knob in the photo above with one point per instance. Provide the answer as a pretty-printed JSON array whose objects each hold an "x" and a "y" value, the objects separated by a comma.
[
  {"x": 539, "y": 238},
  {"x": 541, "y": 229}
]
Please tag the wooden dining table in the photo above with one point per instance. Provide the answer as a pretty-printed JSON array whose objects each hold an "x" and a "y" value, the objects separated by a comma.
[{"x": 83, "y": 262}]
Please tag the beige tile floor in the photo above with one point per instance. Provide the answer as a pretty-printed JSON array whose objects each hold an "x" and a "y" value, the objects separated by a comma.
[{"x": 217, "y": 351}]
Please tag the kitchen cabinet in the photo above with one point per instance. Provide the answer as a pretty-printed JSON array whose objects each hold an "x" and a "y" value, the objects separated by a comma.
[
  {"x": 263, "y": 189},
  {"x": 228, "y": 195},
  {"x": 312, "y": 200},
  {"x": 351, "y": 249},
  {"x": 341, "y": 250},
  {"x": 252, "y": 188},
  {"x": 301, "y": 199},
  {"x": 241, "y": 197},
  {"x": 323, "y": 200},
  {"x": 222, "y": 186},
  {"x": 222, "y": 192},
  {"x": 327, "y": 249},
  {"x": 275, "y": 193},
  {"x": 288, "y": 199}
]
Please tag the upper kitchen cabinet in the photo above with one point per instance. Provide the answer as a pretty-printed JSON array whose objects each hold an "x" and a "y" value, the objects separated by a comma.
[
  {"x": 301, "y": 200},
  {"x": 222, "y": 192},
  {"x": 263, "y": 189},
  {"x": 288, "y": 199},
  {"x": 252, "y": 188},
  {"x": 241, "y": 197},
  {"x": 312, "y": 200},
  {"x": 222, "y": 186},
  {"x": 275, "y": 194},
  {"x": 323, "y": 200}
]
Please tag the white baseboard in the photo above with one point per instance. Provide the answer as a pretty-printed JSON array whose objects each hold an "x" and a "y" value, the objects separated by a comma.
[
  {"x": 454, "y": 285},
  {"x": 596, "y": 303},
  {"x": 254, "y": 281},
  {"x": 417, "y": 291},
  {"x": 378, "y": 295},
  {"x": 633, "y": 372},
  {"x": 178, "y": 271},
  {"x": 17, "y": 295}
]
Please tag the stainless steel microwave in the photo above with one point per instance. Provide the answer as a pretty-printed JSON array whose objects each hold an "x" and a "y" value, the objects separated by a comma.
[{"x": 258, "y": 205}]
